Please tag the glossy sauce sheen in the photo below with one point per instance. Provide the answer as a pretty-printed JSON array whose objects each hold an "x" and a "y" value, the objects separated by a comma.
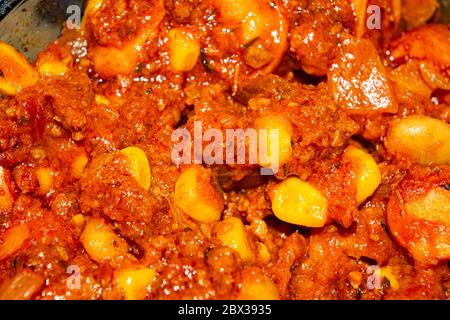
[{"x": 88, "y": 185}]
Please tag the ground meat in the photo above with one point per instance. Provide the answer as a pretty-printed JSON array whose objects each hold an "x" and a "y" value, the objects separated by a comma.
[{"x": 88, "y": 178}]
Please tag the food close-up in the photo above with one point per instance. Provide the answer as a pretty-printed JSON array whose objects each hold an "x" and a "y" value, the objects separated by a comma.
[{"x": 228, "y": 149}]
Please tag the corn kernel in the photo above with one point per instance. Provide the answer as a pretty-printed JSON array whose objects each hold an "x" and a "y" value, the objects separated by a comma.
[
  {"x": 38, "y": 153},
  {"x": 388, "y": 273},
  {"x": 234, "y": 11},
  {"x": 112, "y": 61},
  {"x": 298, "y": 202},
  {"x": 99, "y": 99},
  {"x": 78, "y": 219},
  {"x": 140, "y": 168},
  {"x": 91, "y": 7},
  {"x": 263, "y": 253},
  {"x": 374, "y": 237},
  {"x": 6, "y": 198},
  {"x": 135, "y": 283},
  {"x": 257, "y": 286},
  {"x": 252, "y": 16},
  {"x": 355, "y": 278},
  {"x": 184, "y": 50},
  {"x": 196, "y": 197},
  {"x": 53, "y": 68},
  {"x": 424, "y": 140},
  {"x": 62, "y": 253},
  {"x": 45, "y": 179},
  {"x": 78, "y": 166},
  {"x": 255, "y": 24},
  {"x": 14, "y": 239},
  {"x": 278, "y": 148},
  {"x": 231, "y": 233},
  {"x": 367, "y": 173},
  {"x": 100, "y": 241},
  {"x": 15, "y": 71},
  {"x": 78, "y": 136},
  {"x": 10, "y": 112}
]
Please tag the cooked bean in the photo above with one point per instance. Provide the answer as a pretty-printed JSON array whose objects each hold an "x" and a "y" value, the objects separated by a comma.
[
  {"x": 231, "y": 233},
  {"x": 367, "y": 173},
  {"x": 15, "y": 71},
  {"x": 101, "y": 243},
  {"x": 135, "y": 283},
  {"x": 13, "y": 240},
  {"x": 422, "y": 139},
  {"x": 139, "y": 165},
  {"x": 278, "y": 146},
  {"x": 196, "y": 196},
  {"x": 257, "y": 286},
  {"x": 184, "y": 50},
  {"x": 298, "y": 202}
]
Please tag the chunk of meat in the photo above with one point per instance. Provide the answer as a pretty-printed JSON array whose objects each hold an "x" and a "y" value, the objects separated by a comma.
[
  {"x": 418, "y": 214},
  {"x": 314, "y": 42},
  {"x": 417, "y": 12},
  {"x": 430, "y": 43},
  {"x": 24, "y": 286},
  {"x": 293, "y": 248},
  {"x": 359, "y": 81},
  {"x": 120, "y": 31},
  {"x": 6, "y": 194},
  {"x": 108, "y": 186}
]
